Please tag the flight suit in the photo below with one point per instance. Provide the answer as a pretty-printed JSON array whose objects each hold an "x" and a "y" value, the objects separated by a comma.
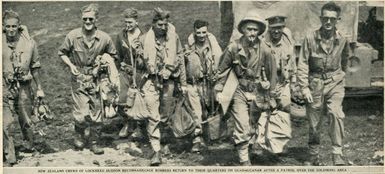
[{"x": 18, "y": 61}]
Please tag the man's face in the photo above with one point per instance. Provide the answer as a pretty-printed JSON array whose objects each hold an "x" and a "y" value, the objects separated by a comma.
[
  {"x": 201, "y": 34},
  {"x": 276, "y": 32},
  {"x": 11, "y": 27},
  {"x": 250, "y": 31},
  {"x": 131, "y": 23},
  {"x": 160, "y": 27},
  {"x": 89, "y": 20},
  {"x": 329, "y": 19}
]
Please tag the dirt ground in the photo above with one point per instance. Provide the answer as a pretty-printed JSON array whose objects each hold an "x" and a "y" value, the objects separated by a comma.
[{"x": 49, "y": 22}]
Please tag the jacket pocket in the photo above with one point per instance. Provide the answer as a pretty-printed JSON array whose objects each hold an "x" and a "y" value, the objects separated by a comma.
[{"x": 316, "y": 63}]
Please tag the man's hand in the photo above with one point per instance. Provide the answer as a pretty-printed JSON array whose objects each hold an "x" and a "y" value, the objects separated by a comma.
[
  {"x": 127, "y": 68},
  {"x": 40, "y": 93},
  {"x": 307, "y": 94},
  {"x": 265, "y": 84},
  {"x": 218, "y": 88},
  {"x": 183, "y": 89},
  {"x": 165, "y": 73},
  {"x": 74, "y": 70},
  {"x": 219, "y": 97},
  {"x": 135, "y": 44}
]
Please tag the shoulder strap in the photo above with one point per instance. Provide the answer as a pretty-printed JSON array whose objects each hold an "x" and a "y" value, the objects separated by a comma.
[{"x": 133, "y": 63}]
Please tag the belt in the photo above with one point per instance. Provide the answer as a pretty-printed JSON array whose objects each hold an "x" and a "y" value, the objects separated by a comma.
[
  {"x": 248, "y": 85},
  {"x": 153, "y": 77},
  {"x": 193, "y": 81},
  {"x": 87, "y": 70},
  {"x": 328, "y": 76}
]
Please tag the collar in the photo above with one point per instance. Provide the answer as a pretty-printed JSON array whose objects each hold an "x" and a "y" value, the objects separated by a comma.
[
  {"x": 206, "y": 45},
  {"x": 137, "y": 32},
  {"x": 244, "y": 44},
  {"x": 79, "y": 34},
  {"x": 270, "y": 43},
  {"x": 336, "y": 36}
]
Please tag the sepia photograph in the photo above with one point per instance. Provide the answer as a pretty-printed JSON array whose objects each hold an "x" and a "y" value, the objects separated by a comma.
[{"x": 192, "y": 87}]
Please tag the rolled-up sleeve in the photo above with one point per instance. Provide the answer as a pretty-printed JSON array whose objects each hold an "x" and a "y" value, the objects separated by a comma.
[
  {"x": 35, "y": 61},
  {"x": 303, "y": 65},
  {"x": 182, "y": 66},
  {"x": 110, "y": 48},
  {"x": 271, "y": 66},
  {"x": 346, "y": 53},
  {"x": 225, "y": 60},
  {"x": 65, "y": 48}
]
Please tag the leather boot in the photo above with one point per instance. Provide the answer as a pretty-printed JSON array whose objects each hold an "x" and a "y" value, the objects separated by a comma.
[
  {"x": 29, "y": 140},
  {"x": 313, "y": 161},
  {"x": 338, "y": 160},
  {"x": 79, "y": 142},
  {"x": 156, "y": 159},
  {"x": 166, "y": 149},
  {"x": 245, "y": 163},
  {"x": 124, "y": 131},
  {"x": 197, "y": 144},
  {"x": 243, "y": 152},
  {"x": 9, "y": 153},
  {"x": 196, "y": 148},
  {"x": 96, "y": 149}
]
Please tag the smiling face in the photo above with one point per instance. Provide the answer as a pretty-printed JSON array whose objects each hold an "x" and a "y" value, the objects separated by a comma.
[
  {"x": 89, "y": 20},
  {"x": 250, "y": 31},
  {"x": 130, "y": 23},
  {"x": 11, "y": 27},
  {"x": 201, "y": 34},
  {"x": 276, "y": 32},
  {"x": 329, "y": 20}
]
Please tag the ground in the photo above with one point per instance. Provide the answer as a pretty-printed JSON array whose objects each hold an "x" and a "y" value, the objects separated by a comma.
[{"x": 49, "y": 22}]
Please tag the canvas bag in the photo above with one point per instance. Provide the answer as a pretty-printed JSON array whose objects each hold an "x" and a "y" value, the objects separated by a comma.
[
  {"x": 136, "y": 106},
  {"x": 139, "y": 110},
  {"x": 182, "y": 120},
  {"x": 274, "y": 131}
]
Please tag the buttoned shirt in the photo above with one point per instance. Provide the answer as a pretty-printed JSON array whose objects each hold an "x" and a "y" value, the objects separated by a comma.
[
  {"x": 123, "y": 42},
  {"x": 247, "y": 61},
  {"x": 200, "y": 62},
  {"x": 23, "y": 54},
  {"x": 283, "y": 53},
  {"x": 75, "y": 47},
  {"x": 316, "y": 60}
]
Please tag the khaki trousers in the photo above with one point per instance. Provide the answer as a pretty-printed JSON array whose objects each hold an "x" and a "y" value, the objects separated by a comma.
[{"x": 327, "y": 102}]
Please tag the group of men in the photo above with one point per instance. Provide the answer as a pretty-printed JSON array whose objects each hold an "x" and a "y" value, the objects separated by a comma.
[{"x": 158, "y": 66}]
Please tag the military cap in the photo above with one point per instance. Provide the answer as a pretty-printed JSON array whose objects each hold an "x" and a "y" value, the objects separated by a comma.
[
  {"x": 276, "y": 21},
  {"x": 130, "y": 13},
  {"x": 254, "y": 18},
  {"x": 91, "y": 8},
  {"x": 160, "y": 14}
]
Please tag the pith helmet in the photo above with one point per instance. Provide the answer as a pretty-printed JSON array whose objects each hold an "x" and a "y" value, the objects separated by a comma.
[{"x": 253, "y": 18}]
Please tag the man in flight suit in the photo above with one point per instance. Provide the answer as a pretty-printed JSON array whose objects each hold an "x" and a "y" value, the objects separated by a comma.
[
  {"x": 165, "y": 69},
  {"x": 21, "y": 65},
  {"x": 201, "y": 62}
]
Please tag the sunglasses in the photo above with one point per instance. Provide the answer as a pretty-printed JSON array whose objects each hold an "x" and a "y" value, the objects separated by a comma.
[
  {"x": 88, "y": 19},
  {"x": 332, "y": 19}
]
